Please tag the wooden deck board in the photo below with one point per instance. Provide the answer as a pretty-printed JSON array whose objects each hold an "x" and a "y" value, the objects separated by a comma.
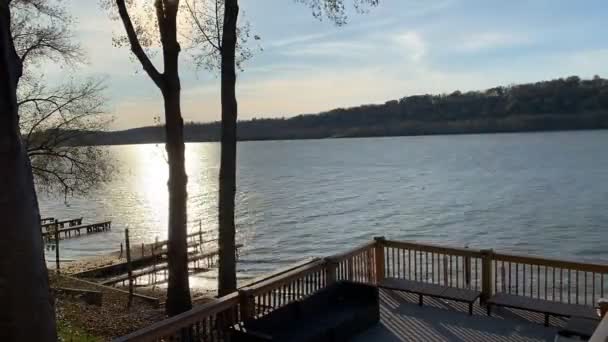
[{"x": 401, "y": 319}]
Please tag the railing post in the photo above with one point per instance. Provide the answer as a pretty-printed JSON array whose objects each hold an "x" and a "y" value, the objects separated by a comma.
[
  {"x": 331, "y": 265},
  {"x": 486, "y": 274},
  {"x": 602, "y": 303},
  {"x": 379, "y": 258},
  {"x": 369, "y": 256},
  {"x": 247, "y": 304}
]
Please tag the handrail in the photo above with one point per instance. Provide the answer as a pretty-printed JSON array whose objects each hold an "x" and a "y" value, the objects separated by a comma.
[
  {"x": 601, "y": 332},
  {"x": 279, "y": 272},
  {"x": 284, "y": 278},
  {"x": 566, "y": 264},
  {"x": 351, "y": 252},
  {"x": 186, "y": 319},
  {"x": 427, "y": 247}
]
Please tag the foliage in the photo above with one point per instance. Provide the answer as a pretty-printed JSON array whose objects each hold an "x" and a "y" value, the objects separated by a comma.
[
  {"x": 559, "y": 104},
  {"x": 336, "y": 10}
]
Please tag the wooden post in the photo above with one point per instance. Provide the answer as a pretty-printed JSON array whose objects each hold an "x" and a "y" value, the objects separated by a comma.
[
  {"x": 57, "y": 266},
  {"x": 247, "y": 305},
  {"x": 129, "y": 268},
  {"x": 120, "y": 256},
  {"x": 379, "y": 256},
  {"x": 143, "y": 249},
  {"x": 369, "y": 256},
  {"x": 486, "y": 274},
  {"x": 331, "y": 266}
]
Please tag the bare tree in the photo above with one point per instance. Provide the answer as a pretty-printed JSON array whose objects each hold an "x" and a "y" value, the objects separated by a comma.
[
  {"x": 219, "y": 35},
  {"x": 53, "y": 121},
  {"x": 52, "y": 118},
  {"x": 220, "y": 43},
  {"x": 41, "y": 33},
  {"x": 27, "y": 312},
  {"x": 139, "y": 34}
]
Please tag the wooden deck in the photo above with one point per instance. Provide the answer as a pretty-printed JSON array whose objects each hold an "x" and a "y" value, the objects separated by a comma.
[{"x": 401, "y": 319}]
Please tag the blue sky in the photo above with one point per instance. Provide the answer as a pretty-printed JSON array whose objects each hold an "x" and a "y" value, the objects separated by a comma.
[{"x": 401, "y": 48}]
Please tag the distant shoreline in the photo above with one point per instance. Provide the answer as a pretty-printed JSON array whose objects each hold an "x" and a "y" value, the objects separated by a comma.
[
  {"x": 558, "y": 105},
  {"x": 118, "y": 142}
]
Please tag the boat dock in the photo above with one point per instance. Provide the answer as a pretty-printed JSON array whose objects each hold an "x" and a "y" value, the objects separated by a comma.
[
  {"x": 71, "y": 231},
  {"x": 50, "y": 223},
  {"x": 197, "y": 263}
]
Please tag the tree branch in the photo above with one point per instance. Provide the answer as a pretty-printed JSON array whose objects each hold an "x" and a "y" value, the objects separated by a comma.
[{"x": 136, "y": 47}]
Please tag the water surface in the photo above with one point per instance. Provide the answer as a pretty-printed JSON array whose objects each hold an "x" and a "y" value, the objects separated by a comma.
[{"x": 534, "y": 193}]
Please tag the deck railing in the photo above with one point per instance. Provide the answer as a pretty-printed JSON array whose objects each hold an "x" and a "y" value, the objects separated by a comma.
[
  {"x": 357, "y": 264},
  {"x": 207, "y": 322},
  {"x": 454, "y": 267},
  {"x": 482, "y": 270},
  {"x": 550, "y": 279},
  {"x": 259, "y": 299}
]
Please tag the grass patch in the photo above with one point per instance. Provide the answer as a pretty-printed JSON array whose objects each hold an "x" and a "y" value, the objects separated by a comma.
[{"x": 69, "y": 333}]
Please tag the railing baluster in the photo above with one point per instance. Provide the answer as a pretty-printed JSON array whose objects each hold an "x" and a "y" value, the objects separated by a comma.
[
  {"x": 420, "y": 264},
  {"x": 585, "y": 275},
  {"x": 538, "y": 281},
  {"x": 577, "y": 285},
  {"x": 451, "y": 270},
  {"x": 546, "y": 279},
  {"x": 476, "y": 274},
  {"x": 569, "y": 286},
  {"x": 516, "y": 279},
  {"x": 426, "y": 266},
  {"x": 602, "y": 284},
  {"x": 398, "y": 264},
  {"x": 409, "y": 263},
  {"x": 445, "y": 270},
  {"x": 593, "y": 301}
]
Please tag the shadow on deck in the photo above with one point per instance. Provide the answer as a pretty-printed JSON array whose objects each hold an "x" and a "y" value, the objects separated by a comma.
[{"x": 401, "y": 319}]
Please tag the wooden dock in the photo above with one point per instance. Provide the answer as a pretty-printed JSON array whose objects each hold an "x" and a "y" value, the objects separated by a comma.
[
  {"x": 50, "y": 223},
  {"x": 208, "y": 259},
  {"x": 69, "y": 232}
]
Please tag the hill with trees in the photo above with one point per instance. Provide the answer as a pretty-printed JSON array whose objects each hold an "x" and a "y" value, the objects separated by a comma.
[{"x": 561, "y": 104}]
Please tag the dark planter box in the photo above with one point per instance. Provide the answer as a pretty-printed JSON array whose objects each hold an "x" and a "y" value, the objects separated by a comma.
[{"x": 335, "y": 313}]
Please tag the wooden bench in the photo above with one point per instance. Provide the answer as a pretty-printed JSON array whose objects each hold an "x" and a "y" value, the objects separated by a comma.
[
  {"x": 581, "y": 327},
  {"x": 432, "y": 290},
  {"x": 548, "y": 308}
]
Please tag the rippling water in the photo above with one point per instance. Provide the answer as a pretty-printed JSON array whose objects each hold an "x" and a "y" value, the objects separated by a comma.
[{"x": 541, "y": 193}]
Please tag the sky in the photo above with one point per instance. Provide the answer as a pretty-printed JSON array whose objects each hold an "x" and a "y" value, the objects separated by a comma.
[{"x": 400, "y": 48}]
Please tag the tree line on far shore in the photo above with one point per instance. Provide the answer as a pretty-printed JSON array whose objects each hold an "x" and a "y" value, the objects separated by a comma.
[{"x": 562, "y": 104}]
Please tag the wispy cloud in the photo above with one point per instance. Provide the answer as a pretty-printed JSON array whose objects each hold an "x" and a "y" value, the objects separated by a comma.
[
  {"x": 477, "y": 42},
  {"x": 412, "y": 44}
]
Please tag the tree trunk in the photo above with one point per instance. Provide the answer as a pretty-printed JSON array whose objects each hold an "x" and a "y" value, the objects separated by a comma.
[
  {"x": 227, "y": 250},
  {"x": 26, "y": 312},
  {"x": 178, "y": 291}
]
